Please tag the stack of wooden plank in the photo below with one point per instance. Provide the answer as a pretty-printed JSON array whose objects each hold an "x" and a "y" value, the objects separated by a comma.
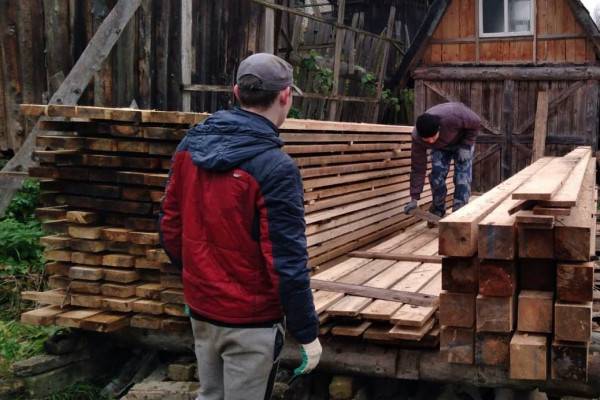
[
  {"x": 103, "y": 173},
  {"x": 405, "y": 264},
  {"x": 518, "y": 281}
]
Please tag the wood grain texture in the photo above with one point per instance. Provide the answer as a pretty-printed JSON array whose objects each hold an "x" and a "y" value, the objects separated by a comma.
[
  {"x": 535, "y": 313},
  {"x": 495, "y": 314},
  {"x": 528, "y": 356}
]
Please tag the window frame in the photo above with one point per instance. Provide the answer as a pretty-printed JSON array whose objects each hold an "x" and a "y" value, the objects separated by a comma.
[{"x": 506, "y": 33}]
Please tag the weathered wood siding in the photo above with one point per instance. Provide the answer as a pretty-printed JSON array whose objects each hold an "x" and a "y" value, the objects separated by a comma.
[
  {"x": 41, "y": 39},
  {"x": 558, "y": 38},
  {"x": 504, "y": 147}
]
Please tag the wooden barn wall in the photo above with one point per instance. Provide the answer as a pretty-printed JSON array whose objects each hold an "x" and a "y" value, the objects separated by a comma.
[
  {"x": 41, "y": 39},
  {"x": 559, "y": 37},
  {"x": 573, "y": 122}
]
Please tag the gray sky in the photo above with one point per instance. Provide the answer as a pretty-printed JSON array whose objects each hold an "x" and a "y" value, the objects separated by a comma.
[{"x": 591, "y": 4}]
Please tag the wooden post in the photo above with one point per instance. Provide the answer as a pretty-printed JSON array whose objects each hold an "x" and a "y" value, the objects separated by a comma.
[
  {"x": 187, "y": 52},
  {"x": 575, "y": 282},
  {"x": 507, "y": 122},
  {"x": 337, "y": 59},
  {"x": 492, "y": 349},
  {"x": 535, "y": 311},
  {"x": 541, "y": 126},
  {"x": 497, "y": 278},
  {"x": 384, "y": 60},
  {"x": 75, "y": 83},
  {"x": 495, "y": 314},
  {"x": 457, "y": 344},
  {"x": 460, "y": 274},
  {"x": 457, "y": 309},
  {"x": 528, "y": 356},
  {"x": 269, "y": 27}
]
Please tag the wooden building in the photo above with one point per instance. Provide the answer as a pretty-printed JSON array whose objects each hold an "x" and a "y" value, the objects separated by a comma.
[{"x": 496, "y": 57}]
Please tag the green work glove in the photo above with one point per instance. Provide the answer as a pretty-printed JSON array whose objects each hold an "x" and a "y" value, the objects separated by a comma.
[{"x": 311, "y": 354}]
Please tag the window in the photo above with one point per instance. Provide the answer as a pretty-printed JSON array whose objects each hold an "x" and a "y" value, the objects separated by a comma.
[{"x": 505, "y": 17}]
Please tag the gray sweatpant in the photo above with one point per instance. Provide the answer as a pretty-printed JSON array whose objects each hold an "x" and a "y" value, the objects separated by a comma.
[{"x": 236, "y": 363}]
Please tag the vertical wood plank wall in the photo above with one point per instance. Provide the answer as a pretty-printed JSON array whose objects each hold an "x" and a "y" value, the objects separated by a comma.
[
  {"x": 41, "y": 39},
  {"x": 560, "y": 38}
]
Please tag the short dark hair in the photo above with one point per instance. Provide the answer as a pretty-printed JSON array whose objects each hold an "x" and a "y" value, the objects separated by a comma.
[
  {"x": 428, "y": 125},
  {"x": 252, "y": 97}
]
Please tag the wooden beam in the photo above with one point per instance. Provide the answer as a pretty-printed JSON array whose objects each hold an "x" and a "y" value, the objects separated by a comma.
[
  {"x": 269, "y": 30},
  {"x": 541, "y": 126},
  {"x": 77, "y": 80},
  {"x": 396, "y": 257},
  {"x": 552, "y": 177},
  {"x": 229, "y": 89},
  {"x": 417, "y": 299},
  {"x": 187, "y": 52},
  {"x": 504, "y": 73},
  {"x": 384, "y": 61},
  {"x": 507, "y": 123},
  {"x": 459, "y": 230},
  {"x": 337, "y": 59},
  {"x": 323, "y": 20}
]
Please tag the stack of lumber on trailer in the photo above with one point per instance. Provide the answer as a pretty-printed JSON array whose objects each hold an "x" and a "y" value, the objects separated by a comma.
[
  {"x": 103, "y": 173},
  {"x": 517, "y": 279},
  {"x": 405, "y": 264}
]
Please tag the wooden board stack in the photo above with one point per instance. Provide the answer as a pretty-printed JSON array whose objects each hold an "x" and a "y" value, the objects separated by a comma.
[
  {"x": 518, "y": 279},
  {"x": 103, "y": 173},
  {"x": 406, "y": 262}
]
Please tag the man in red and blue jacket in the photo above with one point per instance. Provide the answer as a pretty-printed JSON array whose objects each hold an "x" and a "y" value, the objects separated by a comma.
[{"x": 233, "y": 218}]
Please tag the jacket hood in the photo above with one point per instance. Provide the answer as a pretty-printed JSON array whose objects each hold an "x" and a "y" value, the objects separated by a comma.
[{"x": 228, "y": 138}]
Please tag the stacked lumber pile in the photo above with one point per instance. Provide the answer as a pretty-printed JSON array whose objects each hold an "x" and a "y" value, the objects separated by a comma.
[
  {"x": 518, "y": 281},
  {"x": 103, "y": 173},
  {"x": 388, "y": 293}
]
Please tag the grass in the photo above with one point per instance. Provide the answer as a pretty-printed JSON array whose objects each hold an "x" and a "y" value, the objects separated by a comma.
[
  {"x": 19, "y": 342},
  {"x": 21, "y": 268}
]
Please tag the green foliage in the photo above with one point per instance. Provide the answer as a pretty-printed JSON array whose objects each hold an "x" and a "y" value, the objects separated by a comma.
[
  {"x": 19, "y": 342},
  {"x": 369, "y": 82},
  {"x": 21, "y": 251},
  {"x": 323, "y": 75},
  {"x": 294, "y": 113},
  {"x": 80, "y": 391},
  {"x": 21, "y": 255},
  {"x": 25, "y": 201}
]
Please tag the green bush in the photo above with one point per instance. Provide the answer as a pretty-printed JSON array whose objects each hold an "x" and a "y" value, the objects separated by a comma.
[{"x": 21, "y": 255}]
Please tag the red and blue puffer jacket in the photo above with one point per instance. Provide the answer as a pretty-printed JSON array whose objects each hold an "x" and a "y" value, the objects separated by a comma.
[{"x": 233, "y": 217}]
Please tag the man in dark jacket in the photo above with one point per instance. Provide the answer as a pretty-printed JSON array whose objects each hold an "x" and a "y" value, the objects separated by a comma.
[
  {"x": 449, "y": 130},
  {"x": 233, "y": 217}
]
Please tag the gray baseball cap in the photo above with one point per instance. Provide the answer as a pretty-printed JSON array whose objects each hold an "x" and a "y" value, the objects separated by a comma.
[{"x": 272, "y": 72}]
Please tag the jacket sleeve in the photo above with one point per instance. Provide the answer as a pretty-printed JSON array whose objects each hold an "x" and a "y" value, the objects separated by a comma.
[
  {"x": 283, "y": 242},
  {"x": 471, "y": 126},
  {"x": 170, "y": 227},
  {"x": 418, "y": 169}
]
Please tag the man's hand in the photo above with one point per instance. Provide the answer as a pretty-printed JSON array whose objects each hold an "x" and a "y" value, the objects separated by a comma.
[
  {"x": 311, "y": 354},
  {"x": 464, "y": 154},
  {"x": 410, "y": 206}
]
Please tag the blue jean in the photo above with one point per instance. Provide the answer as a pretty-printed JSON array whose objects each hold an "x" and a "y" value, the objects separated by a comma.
[{"x": 463, "y": 176}]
